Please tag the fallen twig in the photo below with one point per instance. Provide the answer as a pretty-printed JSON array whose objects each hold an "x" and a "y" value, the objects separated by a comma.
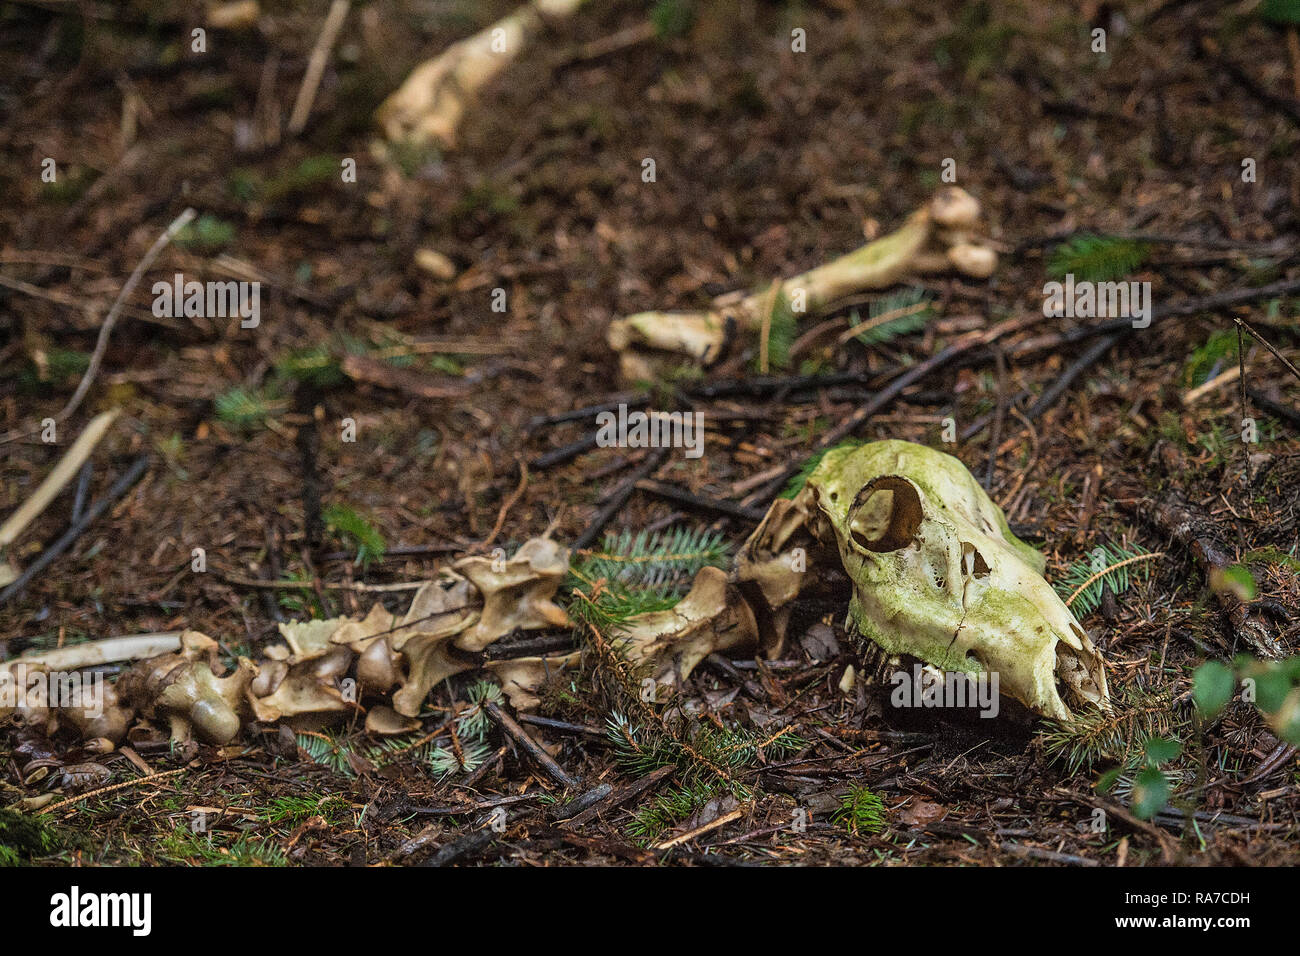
[
  {"x": 1049, "y": 856},
  {"x": 534, "y": 750},
  {"x": 565, "y": 453},
  {"x": 886, "y": 395},
  {"x": 699, "y": 831},
  {"x": 622, "y": 795},
  {"x": 320, "y": 54},
  {"x": 117, "y": 490},
  {"x": 112, "y": 788},
  {"x": 105, "y": 330},
  {"x": 1276, "y": 409},
  {"x": 683, "y": 497},
  {"x": 619, "y": 498},
  {"x": 1116, "y": 330}
]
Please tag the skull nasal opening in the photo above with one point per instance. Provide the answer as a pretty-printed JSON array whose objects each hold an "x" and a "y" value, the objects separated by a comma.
[{"x": 886, "y": 514}]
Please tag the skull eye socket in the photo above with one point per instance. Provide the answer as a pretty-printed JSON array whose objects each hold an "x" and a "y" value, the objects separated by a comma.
[{"x": 885, "y": 515}]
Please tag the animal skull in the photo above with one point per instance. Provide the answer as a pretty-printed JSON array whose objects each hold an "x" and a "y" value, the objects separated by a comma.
[{"x": 938, "y": 575}]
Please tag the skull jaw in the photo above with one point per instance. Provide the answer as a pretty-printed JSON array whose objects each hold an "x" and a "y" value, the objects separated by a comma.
[{"x": 1039, "y": 669}]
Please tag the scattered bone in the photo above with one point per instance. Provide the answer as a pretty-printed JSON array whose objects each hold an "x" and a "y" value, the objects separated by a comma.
[
  {"x": 50, "y": 488},
  {"x": 383, "y": 721},
  {"x": 772, "y": 568},
  {"x": 111, "y": 650},
  {"x": 430, "y": 105},
  {"x": 238, "y": 15},
  {"x": 939, "y": 237},
  {"x": 516, "y": 593},
  {"x": 938, "y": 575},
  {"x": 185, "y": 689},
  {"x": 306, "y": 687},
  {"x": 522, "y": 677},
  {"x": 712, "y": 618},
  {"x": 439, "y": 612},
  {"x": 435, "y": 263}
]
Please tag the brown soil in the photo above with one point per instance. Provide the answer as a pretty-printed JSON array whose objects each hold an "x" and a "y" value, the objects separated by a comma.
[{"x": 768, "y": 162}]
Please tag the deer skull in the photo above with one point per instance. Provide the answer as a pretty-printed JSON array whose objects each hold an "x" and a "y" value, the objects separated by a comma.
[{"x": 938, "y": 575}]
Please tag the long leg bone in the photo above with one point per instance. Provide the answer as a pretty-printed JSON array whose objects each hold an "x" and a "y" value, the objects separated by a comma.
[{"x": 938, "y": 237}]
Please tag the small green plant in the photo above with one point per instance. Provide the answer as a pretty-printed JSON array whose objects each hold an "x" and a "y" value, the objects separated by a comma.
[
  {"x": 977, "y": 43},
  {"x": 1095, "y": 736},
  {"x": 1274, "y": 556},
  {"x": 184, "y": 847},
  {"x": 861, "y": 811},
  {"x": 466, "y": 753},
  {"x": 670, "y": 808},
  {"x": 302, "y": 601},
  {"x": 474, "y": 724},
  {"x": 23, "y": 838},
  {"x": 1272, "y": 686},
  {"x": 641, "y": 748},
  {"x": 445, "y": 761},
  {"x": 59, "y": 366},
  {"x": 290, "y": 811},
  {"x": 206, "y": 234},
  {"x": 1152, "y": 786},
  {"x": 490, "y": 197},
  {"x": 643, "y": 560},
  {"x": 356, "y": 530},
  {"x": 1285, "y": 12},
  {"x": 326, "y": 750},
  {"x": 1218, "y": 348},
  {"x": 808, "y": 467},
  {"x": 1234, "y": 579},
  {"x": 672, "y": 18},
  {"x": 314, "y": 365},
  {"x": 638, "y": 573},
  {"x": 307, "y": 177},
  {"x": 246, "y": 408},
  {"x": 1097, "y": 258}
]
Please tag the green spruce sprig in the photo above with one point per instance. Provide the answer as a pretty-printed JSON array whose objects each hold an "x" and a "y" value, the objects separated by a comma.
[
  {"x": 1107, "y": 564},
  {"x": 1093, "y": 258},
  {"x": 892, "y": 315},
  {"x": 1117, "y": 736}
]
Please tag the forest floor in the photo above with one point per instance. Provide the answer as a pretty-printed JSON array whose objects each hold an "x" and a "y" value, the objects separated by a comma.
[{"x": 768, "y": 162}]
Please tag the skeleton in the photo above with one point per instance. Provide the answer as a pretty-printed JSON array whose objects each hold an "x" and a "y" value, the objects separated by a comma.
[{"x": 936, "y": 574}]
